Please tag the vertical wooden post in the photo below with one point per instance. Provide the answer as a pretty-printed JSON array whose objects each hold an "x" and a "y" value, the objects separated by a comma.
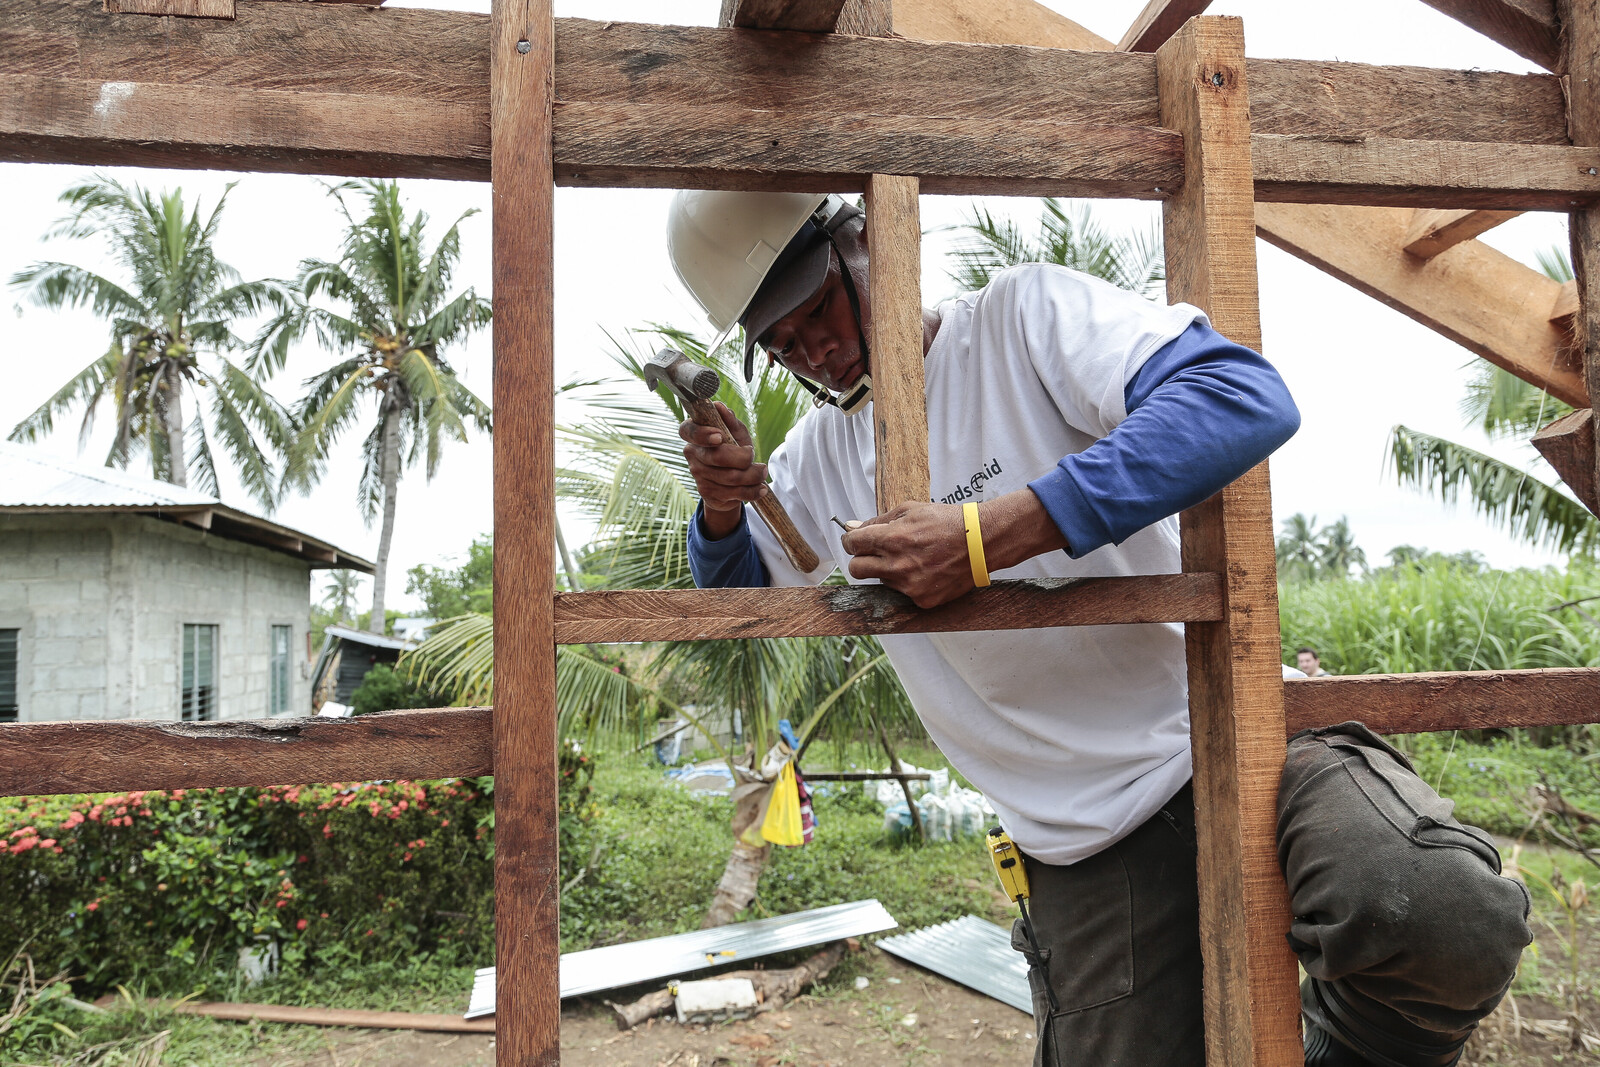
[
  {"x": 1580, "y": 42},
  {"x": 527, "y": 939},
  {"x": 900, "y": 410},
  {"x": 1235, "y": 679}
]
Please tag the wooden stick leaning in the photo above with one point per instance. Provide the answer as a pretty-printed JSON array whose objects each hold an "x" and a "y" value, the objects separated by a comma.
[{"x": 695, "y": 384}]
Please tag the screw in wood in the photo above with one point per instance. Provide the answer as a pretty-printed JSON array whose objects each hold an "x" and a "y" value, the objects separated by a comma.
[{"x": 524, "y": 47}]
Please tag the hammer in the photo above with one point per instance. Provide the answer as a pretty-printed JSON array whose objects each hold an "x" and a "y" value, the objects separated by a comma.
[{"x": 695, "y": 385}]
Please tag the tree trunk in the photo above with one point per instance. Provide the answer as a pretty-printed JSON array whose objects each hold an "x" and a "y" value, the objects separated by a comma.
[
  {"x": 566, "y": 558},
  {"x": 172, "y": 416},
  {"x": 390, "y": 473},
  {"x": 738, "y": 886}
]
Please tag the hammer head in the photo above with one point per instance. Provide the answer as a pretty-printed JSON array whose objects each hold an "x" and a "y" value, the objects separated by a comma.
[{"x": 691, "y": 380}]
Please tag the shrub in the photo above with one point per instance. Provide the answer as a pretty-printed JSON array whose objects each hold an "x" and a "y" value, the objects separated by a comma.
[
  {"x": 155, "y": 885},
  {"x": 385, "y": 689}
]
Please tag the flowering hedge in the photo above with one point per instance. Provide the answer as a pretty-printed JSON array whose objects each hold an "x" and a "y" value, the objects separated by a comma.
[{"x": 138, "y": 885}]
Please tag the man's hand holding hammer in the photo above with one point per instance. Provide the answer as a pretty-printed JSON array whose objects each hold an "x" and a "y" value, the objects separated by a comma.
[{"x": 725, "y": 471}]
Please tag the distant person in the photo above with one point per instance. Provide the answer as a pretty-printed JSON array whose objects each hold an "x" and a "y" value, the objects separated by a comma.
[{"x": 1310, "y": 663}]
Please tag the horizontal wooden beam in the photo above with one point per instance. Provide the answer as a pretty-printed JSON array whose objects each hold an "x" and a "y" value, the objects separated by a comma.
[
  {"x": 1447, "y": 700},
  {"x": 37, "y": 758},
  {"x": 154, "y": 124},
  {"x": 1380, "y": 172},
  {"x": 1433, "y": 231},
  {"x": 1159, "y": 20},
  {"x": 1482, "y": 299},
  {"x": 723, "y": 148},
  {"x": 273, "y": 90},
  {"x": 1567, "y": 444},
  {"x": 813, "y": 611},
  {"x": 612, "y": 144},
  {"x": 1527, "y": 27},
  {"x": 811, "y": 16}
]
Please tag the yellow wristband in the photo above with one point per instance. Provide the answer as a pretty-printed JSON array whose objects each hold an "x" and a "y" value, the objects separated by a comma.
[{"x": 980, "y": 566}]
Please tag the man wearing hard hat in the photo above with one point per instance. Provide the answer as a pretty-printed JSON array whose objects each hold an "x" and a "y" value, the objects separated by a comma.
[{"x": 1080, "y": 418}]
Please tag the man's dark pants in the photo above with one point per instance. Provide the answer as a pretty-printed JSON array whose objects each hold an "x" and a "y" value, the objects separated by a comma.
[{"x": 1407, "y": 931}]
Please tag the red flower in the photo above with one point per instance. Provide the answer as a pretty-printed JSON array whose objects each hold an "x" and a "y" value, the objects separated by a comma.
[
  {"x": 93, "y": 905},
  {"x": 48, "y": 842},
  {"x": 301, "y": 925}
]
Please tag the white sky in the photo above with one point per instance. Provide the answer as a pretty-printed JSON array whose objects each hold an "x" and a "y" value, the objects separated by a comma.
[{"x": 1355, "y": 367}]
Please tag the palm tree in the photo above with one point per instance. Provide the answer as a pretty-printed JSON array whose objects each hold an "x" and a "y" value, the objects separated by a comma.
[
  {"x": 171, "y": 330},
  {"x": 339, "y": 592},
  {"x": 1503, "y": 406},
  {"x": 390, "y": 317},
  {"x": 1339, "y": 551},
  {"x": 1299, "y": 554},
  {"x": 1071, "y": 236}
]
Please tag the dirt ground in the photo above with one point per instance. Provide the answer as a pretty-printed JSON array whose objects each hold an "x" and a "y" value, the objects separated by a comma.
[{"x": 905, "y": 1016}]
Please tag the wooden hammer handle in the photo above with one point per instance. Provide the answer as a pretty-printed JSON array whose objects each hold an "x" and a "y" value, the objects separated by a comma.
[{"x": 769, "y": 507}]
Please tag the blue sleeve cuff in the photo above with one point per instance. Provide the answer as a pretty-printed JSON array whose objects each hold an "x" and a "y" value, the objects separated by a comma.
[
  {"x": 729, "y": 563},
  {"x": 1201, "y": 412}
]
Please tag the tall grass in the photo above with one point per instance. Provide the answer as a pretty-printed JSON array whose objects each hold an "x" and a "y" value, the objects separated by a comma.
[{"x": 1443, "y": 616}]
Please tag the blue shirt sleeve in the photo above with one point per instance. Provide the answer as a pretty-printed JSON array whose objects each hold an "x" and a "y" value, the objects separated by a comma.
[
  {"x": 1201, "y": 412},
  {"x": 731, "y": 563}
]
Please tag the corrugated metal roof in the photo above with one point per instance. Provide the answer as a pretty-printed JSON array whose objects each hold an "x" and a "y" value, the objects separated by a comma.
[
  {"x": 35, "y": 479},
  {"x": 972, "y": 951},
  {"x": 367, "y": 637},
  {"x": 615, "y": 966},
  {"x": 32, "y": 481}
]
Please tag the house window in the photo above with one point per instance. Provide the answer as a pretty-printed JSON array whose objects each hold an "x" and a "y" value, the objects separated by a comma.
[
  {"x": 8, "y": 675},
  {"x": 199, "y": 671},
  {"x": 278, "y": 677}
]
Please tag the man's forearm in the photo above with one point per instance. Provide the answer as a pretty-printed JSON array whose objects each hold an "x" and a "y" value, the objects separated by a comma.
[{"x": 726, "y": 562}]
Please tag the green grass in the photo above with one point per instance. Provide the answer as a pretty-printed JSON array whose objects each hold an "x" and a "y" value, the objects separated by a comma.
[
  {"x": 1443, "y": 617},
  {"x": 663, "y": 849}
]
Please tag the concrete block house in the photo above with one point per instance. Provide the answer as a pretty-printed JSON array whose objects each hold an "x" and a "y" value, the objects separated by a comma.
[{"x": 125, "y": 597}]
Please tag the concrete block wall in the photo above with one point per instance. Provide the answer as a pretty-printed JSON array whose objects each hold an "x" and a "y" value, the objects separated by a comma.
[{"x": 101, "y": 602}]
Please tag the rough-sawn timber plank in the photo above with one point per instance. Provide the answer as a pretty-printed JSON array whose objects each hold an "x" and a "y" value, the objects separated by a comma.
[
  {"x": 899, "y": 399},
  {"x": 1568, "y": 445},
  {"x": 438, "y": 55},
  {"x": 1433, "y": 231},
  {"x": 1478, "y": 297},
  {"x": 1159, "y": 20},
  {"x": 1235, "y": 681},
  {"x": 698, "y": 614},
  {"x": 91, "y": 757},
  {"x": 1446, "y": 700},
  {"x": 1379, "y": 172},
  {"x": 195, "y": 9},
  {"x": 114, "y": 756},
  {"x": 810, "y": 16},
  {"x": 1527, "y": 27}
]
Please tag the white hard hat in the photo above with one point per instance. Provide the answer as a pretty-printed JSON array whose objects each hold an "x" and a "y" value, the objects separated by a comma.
[{"x": 723, "y": 244}]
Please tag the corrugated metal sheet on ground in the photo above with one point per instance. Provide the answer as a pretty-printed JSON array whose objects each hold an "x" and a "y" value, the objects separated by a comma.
[
  {"x": 972, "y": 951},
  {"x": 615, "y": 966}
]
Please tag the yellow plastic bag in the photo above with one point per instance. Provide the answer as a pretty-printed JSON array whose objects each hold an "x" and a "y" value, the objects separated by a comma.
[{"x": 782, "y": 825}]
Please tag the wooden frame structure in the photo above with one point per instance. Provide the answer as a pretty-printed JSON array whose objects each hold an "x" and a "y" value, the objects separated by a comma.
[{"x": 1405, "y": 164}]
